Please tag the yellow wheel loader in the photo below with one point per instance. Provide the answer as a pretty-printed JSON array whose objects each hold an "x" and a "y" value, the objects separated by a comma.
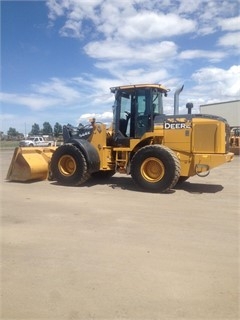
[{"x": 158, "y": 150}]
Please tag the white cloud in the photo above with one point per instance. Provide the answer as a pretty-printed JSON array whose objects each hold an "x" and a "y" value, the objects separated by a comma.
[
  {"x": 116, "y": 19},
  {"x": 71, "y": 29},
  {"x": 80, "y": 93},
  {"x": 148, "y": 19},
  {"x": 46, "y": 95},
  {"x": 31, "y": 100},
  {"x": 64, "y": 90},
  {"x": 212, "y": 56},
  {"x": 104, "y": 50},
  {"x": 231, "y": 39},
  {"x": 217, "y": 82},
  {"x": 151, "y": 25},
  {"x": 230, "y": 24},
  {"x": 208, "y": 14},
  {"x": 105, "y": 117},
  {"x": 56, "y": 8},
  {"x": 189, "y": 6}
]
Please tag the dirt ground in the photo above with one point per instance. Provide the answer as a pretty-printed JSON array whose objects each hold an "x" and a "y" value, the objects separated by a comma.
[{"x": 108, "y": 251}]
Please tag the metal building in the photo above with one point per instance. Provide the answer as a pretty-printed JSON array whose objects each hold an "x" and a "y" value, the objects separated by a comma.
[{"x": 230, "y": 110}]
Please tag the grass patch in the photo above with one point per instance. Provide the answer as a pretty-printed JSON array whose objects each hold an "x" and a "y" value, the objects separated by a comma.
[{"x": 8, "y": 144}]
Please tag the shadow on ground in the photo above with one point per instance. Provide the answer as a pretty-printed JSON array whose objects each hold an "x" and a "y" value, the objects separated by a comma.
[
  {"x": 199, "y": 187},
  {"x": 126, "y": 183}
]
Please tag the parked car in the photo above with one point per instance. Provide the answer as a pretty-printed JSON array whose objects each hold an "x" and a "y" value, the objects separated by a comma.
[{"x": 36, "y": 142}]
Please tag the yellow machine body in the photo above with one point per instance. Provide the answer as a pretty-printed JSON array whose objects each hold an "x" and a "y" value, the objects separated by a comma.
[
  {"x": 200, "y": 146},
  {"x": 30, "y": 163}
]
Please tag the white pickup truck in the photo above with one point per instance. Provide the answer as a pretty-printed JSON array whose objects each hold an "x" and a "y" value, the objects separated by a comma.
[{"x": 36, "y": 142}]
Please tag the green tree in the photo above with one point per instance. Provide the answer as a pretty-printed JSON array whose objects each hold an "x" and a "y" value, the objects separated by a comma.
[
  {"x": 12, "y": 132},
  {"x": 35, "y": 130},
  {"x": 47, "y": 128},
  {"x": 57, "y": 129}
]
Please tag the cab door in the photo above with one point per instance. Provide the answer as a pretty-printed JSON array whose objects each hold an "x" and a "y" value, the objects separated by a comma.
[
  {"x": 133, "y": 115},
  {"x": 143, "y": 112}
]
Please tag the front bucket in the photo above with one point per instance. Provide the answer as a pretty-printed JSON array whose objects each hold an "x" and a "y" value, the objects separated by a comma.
[{"x": 30, "y": 164}]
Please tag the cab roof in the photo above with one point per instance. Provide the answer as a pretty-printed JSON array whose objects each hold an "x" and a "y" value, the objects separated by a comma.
[{"x": 139, "y": 86}]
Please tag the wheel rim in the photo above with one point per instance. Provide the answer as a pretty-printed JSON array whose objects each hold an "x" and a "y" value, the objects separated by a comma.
[
  {"x": 67, "y": 165},
  {"x": 152, "y": 169}
]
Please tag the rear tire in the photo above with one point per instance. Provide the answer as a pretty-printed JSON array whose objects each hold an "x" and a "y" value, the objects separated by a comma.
[
  {"x": 69, "y": 166},
  {"x": 155, "y": 168}
]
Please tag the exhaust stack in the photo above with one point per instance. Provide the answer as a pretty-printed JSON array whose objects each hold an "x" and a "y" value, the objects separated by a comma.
[{"x": 176, "y": 99}]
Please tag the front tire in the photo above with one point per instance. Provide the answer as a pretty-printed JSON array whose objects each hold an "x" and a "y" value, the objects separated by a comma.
[
  {"x": 68, "y": 166},
  {"x": 155, "y": 168}
]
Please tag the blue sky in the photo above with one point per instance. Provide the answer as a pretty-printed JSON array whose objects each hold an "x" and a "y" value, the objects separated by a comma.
[{"x": 60, "y": 57}]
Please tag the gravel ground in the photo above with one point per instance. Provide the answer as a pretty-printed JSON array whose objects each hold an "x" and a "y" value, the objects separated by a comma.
[{"x": 108, "y": 251}]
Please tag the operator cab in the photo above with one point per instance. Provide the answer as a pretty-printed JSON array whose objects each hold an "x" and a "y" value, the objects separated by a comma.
[{"x": 134, "y": 110}]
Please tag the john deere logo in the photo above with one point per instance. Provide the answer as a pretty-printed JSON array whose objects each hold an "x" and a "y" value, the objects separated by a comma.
[{"x": 176, "y": 125}]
